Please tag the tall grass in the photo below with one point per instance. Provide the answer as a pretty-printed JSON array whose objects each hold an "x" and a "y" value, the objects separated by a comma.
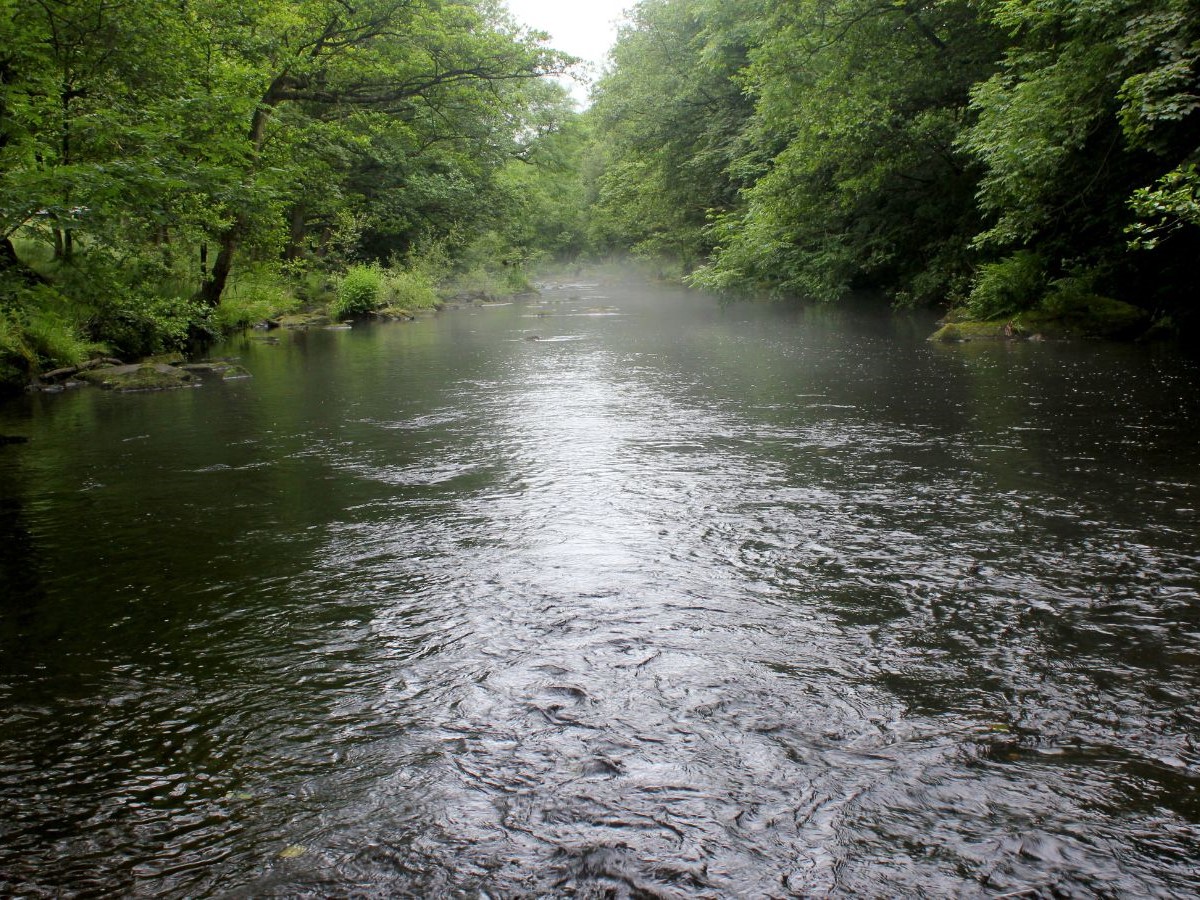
[{"x": 253, "y": 294}]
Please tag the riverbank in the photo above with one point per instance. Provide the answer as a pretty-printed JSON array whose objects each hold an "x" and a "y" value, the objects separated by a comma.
[
  {"x": 62, "y": 324},
  {"x": 1100, "y": 319}
]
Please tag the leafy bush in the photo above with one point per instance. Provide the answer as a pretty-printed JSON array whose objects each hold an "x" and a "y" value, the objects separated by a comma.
[
  {"x": 402, "y": 289},
  {"x": 141, "y": 323},
  {"x": 137, "y": 304},
  {"x": 252, "y": 295},
  {"x": 359, "y": 292},
  {"x": 55, "y": 340},
  {"x": 1007, "y": 287},
  {"x": 314, "y": 286},
  {"x": 39, "y": 333},
  {"x": 431, "y": 259},
  {"x": 489, "y": 264},
  {"x": 13, "y": 362}
]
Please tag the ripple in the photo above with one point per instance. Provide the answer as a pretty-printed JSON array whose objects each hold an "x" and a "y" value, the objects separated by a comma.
[{"x": 703, "y": 603}]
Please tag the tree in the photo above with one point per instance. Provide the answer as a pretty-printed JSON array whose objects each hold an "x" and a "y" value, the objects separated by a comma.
[
  {"x": 1089, "y": 134},
  {"x": 338, "y": 60},
  {"x": 669, "y": 120},
  {"x": 858, "y": 106}
]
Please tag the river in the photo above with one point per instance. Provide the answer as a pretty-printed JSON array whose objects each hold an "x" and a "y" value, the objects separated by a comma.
[{"x": 676, "y": 601}]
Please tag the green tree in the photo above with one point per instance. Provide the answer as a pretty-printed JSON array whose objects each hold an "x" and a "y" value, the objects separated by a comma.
[
  {"x": 859, "y": 103},
  {"x": 669, "y": 121},
  {"x": 1089, "y": 135},
  {"x": 334, "y": 59}
]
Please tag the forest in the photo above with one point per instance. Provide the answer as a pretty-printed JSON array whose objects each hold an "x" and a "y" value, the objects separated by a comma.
[{"x": 173, "y": 171}]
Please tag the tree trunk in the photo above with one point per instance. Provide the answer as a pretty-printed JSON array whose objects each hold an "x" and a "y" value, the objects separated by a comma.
[
  {"x": 296, "y": 232},
  {"x": 211, "y": 290}
]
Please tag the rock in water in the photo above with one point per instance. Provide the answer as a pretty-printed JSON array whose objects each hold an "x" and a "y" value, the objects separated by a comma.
[{"x": 147, "y": 377}]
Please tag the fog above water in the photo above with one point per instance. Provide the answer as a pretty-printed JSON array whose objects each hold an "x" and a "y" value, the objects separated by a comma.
[{"x": 676, "y": 601}]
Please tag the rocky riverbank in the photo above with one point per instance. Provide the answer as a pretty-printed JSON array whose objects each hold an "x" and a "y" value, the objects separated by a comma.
[
  {"x": 160, "y": 374},
  {"x": 1101, "y": 318}
]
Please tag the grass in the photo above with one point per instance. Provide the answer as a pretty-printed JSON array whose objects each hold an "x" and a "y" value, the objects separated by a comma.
[{"x": 253, "y": 295}]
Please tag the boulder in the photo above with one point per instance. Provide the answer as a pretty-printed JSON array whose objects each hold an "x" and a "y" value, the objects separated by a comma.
[
  {"x": 302, "y": 320},
  {"x": 960, "y": 332},
  {"x": 144, "y": 377},
  {"x": 1060, "y": 318},
  {"x": 226, "y": 369}
]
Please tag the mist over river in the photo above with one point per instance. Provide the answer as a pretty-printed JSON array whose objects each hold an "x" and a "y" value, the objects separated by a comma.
[{"x": 677, "y": 600}]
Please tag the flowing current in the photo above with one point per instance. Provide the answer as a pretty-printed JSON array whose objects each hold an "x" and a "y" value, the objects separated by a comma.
[{"x": 675, "y": 600}]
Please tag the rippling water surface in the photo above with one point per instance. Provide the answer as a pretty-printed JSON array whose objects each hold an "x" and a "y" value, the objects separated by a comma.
[{"x": 674, "y": 602}]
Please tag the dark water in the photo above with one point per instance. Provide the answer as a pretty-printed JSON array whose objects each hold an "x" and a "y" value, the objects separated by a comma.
[{"x": 677, "y": 602}]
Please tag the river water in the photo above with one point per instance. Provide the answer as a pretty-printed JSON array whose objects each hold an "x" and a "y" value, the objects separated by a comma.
[{"x": 676, "y": 601}]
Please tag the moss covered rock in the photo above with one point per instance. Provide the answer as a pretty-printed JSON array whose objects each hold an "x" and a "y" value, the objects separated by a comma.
[
  {"x": 302, "y": 320},
  {"x": 1092, "y": 315},
  {"x": 958, "y": 332},
  {"x": 1084, "y": 316},
  {"x": 144, "y": 377}
]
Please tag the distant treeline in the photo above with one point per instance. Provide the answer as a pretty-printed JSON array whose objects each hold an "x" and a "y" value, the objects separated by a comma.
[{"x": 1002, "y": 154}]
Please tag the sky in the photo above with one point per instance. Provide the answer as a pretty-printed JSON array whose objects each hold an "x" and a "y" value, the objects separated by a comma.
[{"x": 583, "y": 28}]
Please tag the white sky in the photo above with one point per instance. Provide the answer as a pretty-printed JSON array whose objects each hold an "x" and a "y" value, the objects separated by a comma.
[{"x": 583, "y": 28}]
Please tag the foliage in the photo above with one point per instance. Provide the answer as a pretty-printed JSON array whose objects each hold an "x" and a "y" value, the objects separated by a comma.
[
  {"x": 256, "y": 294},
  {"x": 1169, "y": 206},
  {"x": 306, "y": 132},
  {"x": 489, "y": 266},
  {"x": 401, "y": 289},
  {"x": 39, "y": 332},
  {"x": 1006, "y": 287},
  {"x": 670, "y": 119},
  {"x": 359, "y": 293},
  {"x": 930, "y": 148},
  {"x": 1088, "y": 133}
]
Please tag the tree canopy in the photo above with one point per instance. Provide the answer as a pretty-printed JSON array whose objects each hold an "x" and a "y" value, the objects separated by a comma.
[
  {"x": 144, "y": 142},
  {"x": 999, "y": 153}
]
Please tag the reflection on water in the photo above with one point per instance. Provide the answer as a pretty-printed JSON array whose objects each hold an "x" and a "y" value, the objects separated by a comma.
[{"x": 673, "y": 601}]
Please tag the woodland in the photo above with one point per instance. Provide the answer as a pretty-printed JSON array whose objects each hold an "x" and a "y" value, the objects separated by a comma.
[{"x": 172, "y": 171}]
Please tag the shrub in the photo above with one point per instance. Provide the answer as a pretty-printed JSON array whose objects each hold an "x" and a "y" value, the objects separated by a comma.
[
  {"x": 55, "y": 340},
  {"x": 408, "y": 290},
  {"x": 252, "y": 295},
  {"x": 1008, "y": 286},
  {"x": 359, "y": 292},
  {"x": 141, "y": 323},
  {"x": 430, "y": 259},
  {"x": 37, "y": 332}
]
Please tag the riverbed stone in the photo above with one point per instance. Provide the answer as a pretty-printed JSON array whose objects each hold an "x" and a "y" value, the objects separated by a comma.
[
  {"x": 138, "y": 377},
  {"x": 226, "y": 369},
  {"x": 302, "y": 320}
]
